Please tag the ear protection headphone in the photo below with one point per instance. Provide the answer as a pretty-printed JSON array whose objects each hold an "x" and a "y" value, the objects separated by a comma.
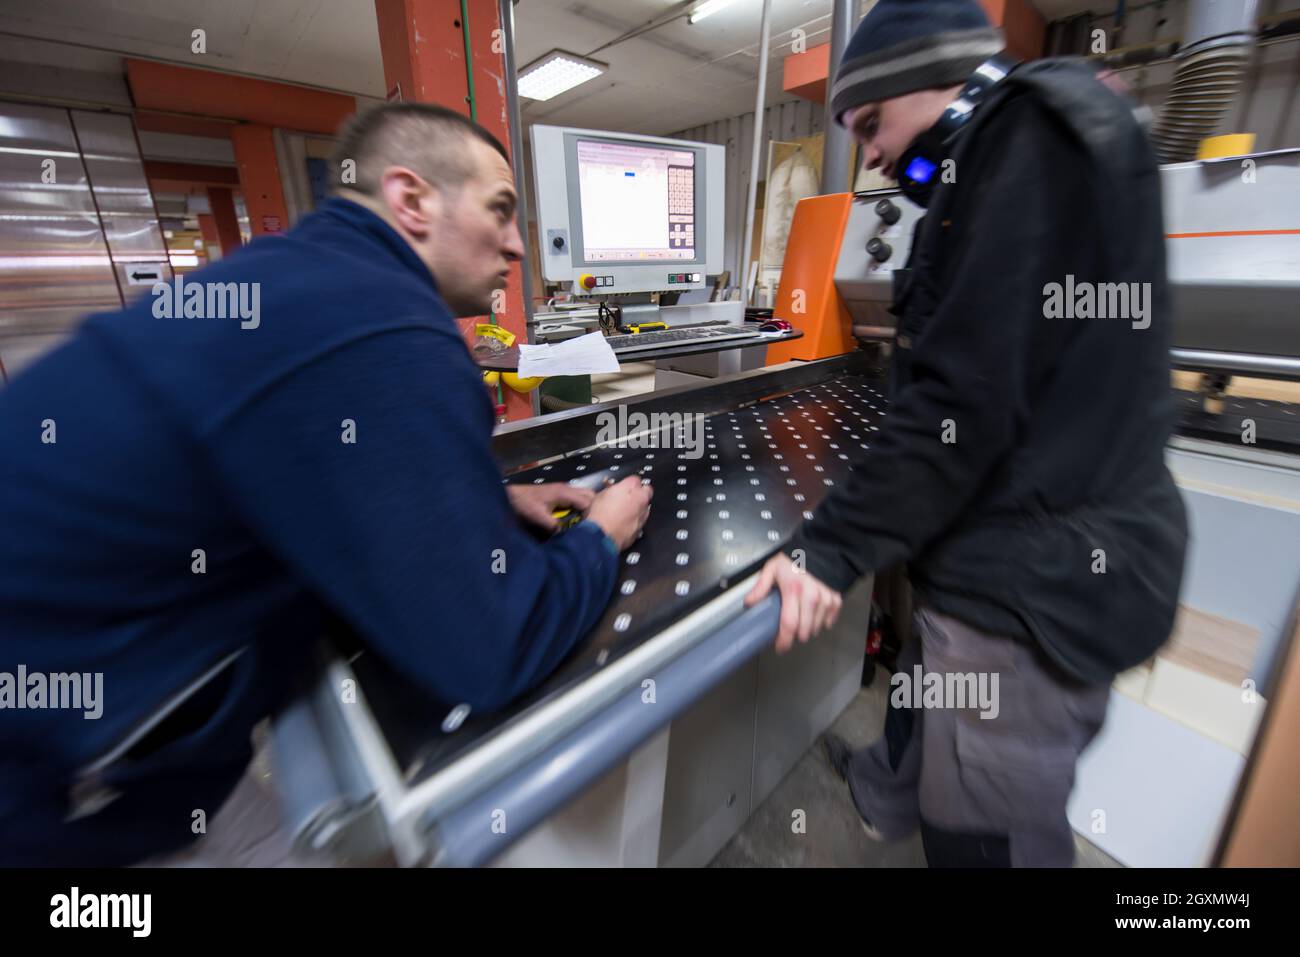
[{"x": 918, "y": 167}]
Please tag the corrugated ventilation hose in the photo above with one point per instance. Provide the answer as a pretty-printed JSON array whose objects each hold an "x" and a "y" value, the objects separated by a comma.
[
  {"x": 1211, "y": 67},
  {"x": 1202, "y": 90}
]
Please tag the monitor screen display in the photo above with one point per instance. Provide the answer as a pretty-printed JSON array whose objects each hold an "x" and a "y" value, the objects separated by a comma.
[{"x": 638, "y": 202}]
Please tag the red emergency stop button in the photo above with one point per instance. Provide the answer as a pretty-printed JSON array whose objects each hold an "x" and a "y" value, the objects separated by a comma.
[{"x": 588, "y": 282}]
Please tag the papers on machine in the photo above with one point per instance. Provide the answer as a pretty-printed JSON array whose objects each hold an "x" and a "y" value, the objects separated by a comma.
[{"x": 581, "y": 355}]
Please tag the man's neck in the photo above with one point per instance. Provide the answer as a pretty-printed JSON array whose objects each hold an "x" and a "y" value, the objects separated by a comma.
[{"x": 370, "y": 203}]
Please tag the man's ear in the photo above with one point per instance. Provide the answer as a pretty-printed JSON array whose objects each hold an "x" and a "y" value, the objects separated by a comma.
[{"x": 412, "y": 202}]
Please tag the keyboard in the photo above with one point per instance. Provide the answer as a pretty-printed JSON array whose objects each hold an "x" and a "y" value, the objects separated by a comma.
[{"x": 665, "y": 338}]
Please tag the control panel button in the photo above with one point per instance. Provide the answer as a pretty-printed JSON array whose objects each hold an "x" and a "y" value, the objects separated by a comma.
[
  {"x": 587, "y": 281},
  {"x": 878, "y": 249},
  {"x": 888, "y": 212}
]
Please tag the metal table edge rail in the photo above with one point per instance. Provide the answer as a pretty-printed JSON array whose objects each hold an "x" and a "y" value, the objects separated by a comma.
[
  {"x": 337, "y": 781},
  {"x": 537, "y": 729},
  {"x": 465, "y": 837},
  {"x": 1268, "y": 366}
]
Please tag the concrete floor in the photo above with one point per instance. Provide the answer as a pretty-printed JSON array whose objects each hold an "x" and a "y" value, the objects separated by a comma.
[{"x": 833, "y": 837}]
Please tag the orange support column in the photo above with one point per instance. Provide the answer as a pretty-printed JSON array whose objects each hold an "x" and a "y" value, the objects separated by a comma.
[
  {"x": 1023, "y": 27},
  {"x": 423, "y": 48},
  {"x": 807, "y": 298},
  {"x": 211, "y": 239},
  {"x": 259, "y": 177},
  {"x": 222, "y": 204}
]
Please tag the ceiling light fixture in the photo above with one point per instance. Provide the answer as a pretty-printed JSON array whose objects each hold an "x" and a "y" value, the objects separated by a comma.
[
  {"x": 556, "y": 72},
  {"x": 707, "y": 8}
]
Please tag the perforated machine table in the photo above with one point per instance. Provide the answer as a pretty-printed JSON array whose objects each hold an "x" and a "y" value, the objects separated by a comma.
[{"x": 393, "y": 769}]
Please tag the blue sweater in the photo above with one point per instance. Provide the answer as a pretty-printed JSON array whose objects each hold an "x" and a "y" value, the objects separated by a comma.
[{"x": 331, "y": 459}]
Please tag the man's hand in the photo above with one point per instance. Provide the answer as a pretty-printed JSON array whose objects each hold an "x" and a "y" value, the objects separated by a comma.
[
  {"x": 620, "y": 510},
  {"x": 808, "y": 606},
  {"x": 535, "y": 503}
]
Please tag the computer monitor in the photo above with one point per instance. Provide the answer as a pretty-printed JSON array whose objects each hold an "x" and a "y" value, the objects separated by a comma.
[{"x": 619, "y": 214}]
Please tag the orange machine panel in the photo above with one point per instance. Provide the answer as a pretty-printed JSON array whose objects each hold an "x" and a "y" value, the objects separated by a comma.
[
  {"x": 807, "y": 297},
  {"x": 804, "y": 74}
]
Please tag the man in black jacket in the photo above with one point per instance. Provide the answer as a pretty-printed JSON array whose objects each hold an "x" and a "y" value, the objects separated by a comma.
[{"x": 1020, "y": 470}]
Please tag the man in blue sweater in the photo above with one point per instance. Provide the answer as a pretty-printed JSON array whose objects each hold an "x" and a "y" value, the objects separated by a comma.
[{"x": 192, "y": 487}]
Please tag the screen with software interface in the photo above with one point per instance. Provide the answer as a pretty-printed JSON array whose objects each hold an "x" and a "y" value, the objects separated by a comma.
[{"x": 638, "y": 202}]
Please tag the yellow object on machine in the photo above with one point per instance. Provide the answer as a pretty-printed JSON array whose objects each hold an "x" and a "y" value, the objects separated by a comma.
[
  {"x": 486, "y": 329},
  {"x": 1229, "y": 144},
  {"x": 521, "y": 385},
  {"x": 512, "y": 380}
]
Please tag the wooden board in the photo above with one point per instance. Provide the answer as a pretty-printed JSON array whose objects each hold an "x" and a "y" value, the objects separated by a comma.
[
  {"x": 1218, "y": 647},
  {"x": 1244, "y": 387},
  {"x": 1265, "y": 829}
]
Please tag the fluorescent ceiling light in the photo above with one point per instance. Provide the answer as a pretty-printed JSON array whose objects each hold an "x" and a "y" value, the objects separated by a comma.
[
  {"x": 556, "y": 72},
  {"x": 706, "y": 8}
]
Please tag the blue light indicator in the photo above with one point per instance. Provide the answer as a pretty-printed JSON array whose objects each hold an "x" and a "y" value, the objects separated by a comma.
[
  {"x": 628, "y": 173},
  {"x": 920, "y": 170}
]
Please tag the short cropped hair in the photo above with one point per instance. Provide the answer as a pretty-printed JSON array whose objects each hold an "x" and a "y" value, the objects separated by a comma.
[{"x": 427, "y": 139}]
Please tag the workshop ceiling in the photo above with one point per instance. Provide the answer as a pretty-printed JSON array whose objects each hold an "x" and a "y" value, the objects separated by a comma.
[
  {"x": 669, "y": 78},
  {"x": 327, "y": 43}
]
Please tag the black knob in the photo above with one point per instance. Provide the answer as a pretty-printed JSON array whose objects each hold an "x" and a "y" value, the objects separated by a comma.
[
  {"x": 558, "y": 242},
  {"x": 878, "y": 249},
  {"x": 888, "y": 212}
]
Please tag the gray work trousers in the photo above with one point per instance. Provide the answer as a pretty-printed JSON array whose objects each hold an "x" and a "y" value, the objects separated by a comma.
[{"x": 985, "y": 791}]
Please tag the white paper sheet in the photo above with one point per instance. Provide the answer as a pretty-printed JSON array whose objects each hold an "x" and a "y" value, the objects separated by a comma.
[{"x": 581, "y": 355}]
